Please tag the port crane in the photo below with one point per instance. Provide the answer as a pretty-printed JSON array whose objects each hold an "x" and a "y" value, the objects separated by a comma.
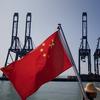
[
  {"x": 84, "y": 50},
  {"x": 97, "y": 58},
  {"x": 28, "y": 44},
  {"x": 15, "y": 46},
  {"x": 15, "y": 42}
]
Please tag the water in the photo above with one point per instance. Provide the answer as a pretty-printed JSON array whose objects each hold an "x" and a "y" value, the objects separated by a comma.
[{"x": 49, "y": 91}]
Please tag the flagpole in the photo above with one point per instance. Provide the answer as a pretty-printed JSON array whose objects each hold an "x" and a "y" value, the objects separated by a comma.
[{"x": 74, "y": 65}]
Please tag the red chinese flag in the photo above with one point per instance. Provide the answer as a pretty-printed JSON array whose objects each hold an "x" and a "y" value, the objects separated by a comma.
[{"x": 39, "y": 66}]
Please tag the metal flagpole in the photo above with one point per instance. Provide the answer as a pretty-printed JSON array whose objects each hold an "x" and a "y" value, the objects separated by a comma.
[{"x": 72, "y": 60}]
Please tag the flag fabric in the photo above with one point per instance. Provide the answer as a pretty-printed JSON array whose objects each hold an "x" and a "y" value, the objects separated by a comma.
[{"x": 39, "y": 66}]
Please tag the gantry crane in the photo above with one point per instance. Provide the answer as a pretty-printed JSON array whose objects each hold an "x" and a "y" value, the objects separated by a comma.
[
  {"x": 84, "y": 50},
  {"x": 15, "y": 42},
  {"x": 97, "y": 58},
  {"x": 28, "y": 45}
]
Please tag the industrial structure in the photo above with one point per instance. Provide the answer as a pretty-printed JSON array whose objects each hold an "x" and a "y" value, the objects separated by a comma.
[
  {"x": 97, "y": 58},
  {"x": 84, "y": 50},
  {"x": 15, "y": 42},
  {"x": 16, "y": 51},
  {"x": 28, "y": 44}
]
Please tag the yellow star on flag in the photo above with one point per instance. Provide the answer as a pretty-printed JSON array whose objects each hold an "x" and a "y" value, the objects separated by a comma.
[{"x": 52, "y": 43}]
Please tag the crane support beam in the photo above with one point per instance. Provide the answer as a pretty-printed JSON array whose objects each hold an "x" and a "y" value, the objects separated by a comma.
[
  {"x": 97, "y": 58},
  {"x": 28, "y": 45}
]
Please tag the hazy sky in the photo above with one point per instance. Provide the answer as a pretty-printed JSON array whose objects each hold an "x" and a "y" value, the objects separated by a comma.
[{"x": 46, "y": 14}]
